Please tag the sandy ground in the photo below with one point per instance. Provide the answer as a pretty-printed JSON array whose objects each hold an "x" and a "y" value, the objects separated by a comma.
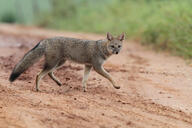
[{"x": 155, "y": 88}]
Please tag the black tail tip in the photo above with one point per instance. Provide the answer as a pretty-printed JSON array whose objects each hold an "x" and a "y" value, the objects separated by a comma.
[{"x": 13, "y": 77}]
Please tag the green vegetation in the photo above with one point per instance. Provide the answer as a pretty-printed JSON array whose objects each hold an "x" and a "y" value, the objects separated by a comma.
[
  {"x": 165, "y": 24},
  {"x": 22, "y": 11}
]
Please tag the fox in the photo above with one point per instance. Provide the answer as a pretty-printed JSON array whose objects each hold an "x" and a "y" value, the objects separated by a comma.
[{"x": 57, "y": 50}]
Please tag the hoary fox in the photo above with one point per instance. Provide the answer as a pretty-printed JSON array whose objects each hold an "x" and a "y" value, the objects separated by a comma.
[{"x": 59, "y": 49}]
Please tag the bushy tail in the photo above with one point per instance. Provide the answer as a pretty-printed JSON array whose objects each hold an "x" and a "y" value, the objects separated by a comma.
[{"x": 28, "y": 60}]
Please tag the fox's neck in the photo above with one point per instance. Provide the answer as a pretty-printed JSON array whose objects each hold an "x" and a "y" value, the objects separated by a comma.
[{"x": 103, "y": 49}]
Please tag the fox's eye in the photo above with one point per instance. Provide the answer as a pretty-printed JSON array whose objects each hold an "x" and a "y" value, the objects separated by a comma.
[
  {"x": 112, "y": 46},
  {"x": 119, "y": 46}
]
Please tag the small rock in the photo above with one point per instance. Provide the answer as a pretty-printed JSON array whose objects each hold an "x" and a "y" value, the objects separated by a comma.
[
  {"x": 94, "y": 78},
  {"x": 67, "y": 79},
  {"x": 129, "y": 123}
]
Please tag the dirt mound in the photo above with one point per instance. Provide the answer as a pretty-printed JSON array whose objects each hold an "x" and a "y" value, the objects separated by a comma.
[{"x": 155, "y": 88}]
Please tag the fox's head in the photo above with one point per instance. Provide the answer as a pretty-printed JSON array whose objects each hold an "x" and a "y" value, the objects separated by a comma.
[{"x": 114, "y": 44}]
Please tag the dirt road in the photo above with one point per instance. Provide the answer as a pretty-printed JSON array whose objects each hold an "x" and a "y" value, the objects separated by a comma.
[{"x": 156, "y": 88}]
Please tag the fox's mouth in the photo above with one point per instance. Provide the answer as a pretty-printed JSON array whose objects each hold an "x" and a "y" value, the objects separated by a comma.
[{"x": 115, "y": 52}]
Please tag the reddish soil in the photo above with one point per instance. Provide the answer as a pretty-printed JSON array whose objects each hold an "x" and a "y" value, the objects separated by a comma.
[{"x": 156, "y": 88}]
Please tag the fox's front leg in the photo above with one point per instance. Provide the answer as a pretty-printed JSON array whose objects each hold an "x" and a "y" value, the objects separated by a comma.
[
  {"x": 99, "y": 69},
  {"x": 85, "y": 77}
]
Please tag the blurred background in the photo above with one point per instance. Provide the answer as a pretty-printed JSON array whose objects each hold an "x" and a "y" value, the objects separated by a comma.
[{"x": 164, "y": 24}]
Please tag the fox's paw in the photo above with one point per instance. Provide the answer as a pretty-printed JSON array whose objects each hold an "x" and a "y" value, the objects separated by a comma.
[
  {"x": 84, "y": 89},
  {"x": 37, "y": 90},
  {"x": 117, "y": 87},
  {"x": 59, "y": 84}
]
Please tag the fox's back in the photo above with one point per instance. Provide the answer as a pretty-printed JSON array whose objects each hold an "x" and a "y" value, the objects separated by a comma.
[{"x": 73, "y": 49}]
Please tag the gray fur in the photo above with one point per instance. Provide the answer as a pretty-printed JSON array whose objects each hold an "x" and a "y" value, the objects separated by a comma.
[{"x": 59, "y": 49}]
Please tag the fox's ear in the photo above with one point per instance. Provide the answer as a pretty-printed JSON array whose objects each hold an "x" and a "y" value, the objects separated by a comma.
[
  {"x": 109, "y": 36},
  {"x": 121, "y": 37}
]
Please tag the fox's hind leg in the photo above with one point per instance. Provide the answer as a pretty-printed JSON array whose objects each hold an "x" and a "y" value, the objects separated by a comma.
[
  {"x": 85, "y": 77},
  {"x": 51, "y": 74},
  {"x": 61, "y": 62},
  {"x": 40, "y": 76},
  {"x": 48, "y": 67}
]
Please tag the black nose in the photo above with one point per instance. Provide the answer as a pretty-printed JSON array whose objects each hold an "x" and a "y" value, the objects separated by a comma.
[{"x": 117, "y": 52}]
